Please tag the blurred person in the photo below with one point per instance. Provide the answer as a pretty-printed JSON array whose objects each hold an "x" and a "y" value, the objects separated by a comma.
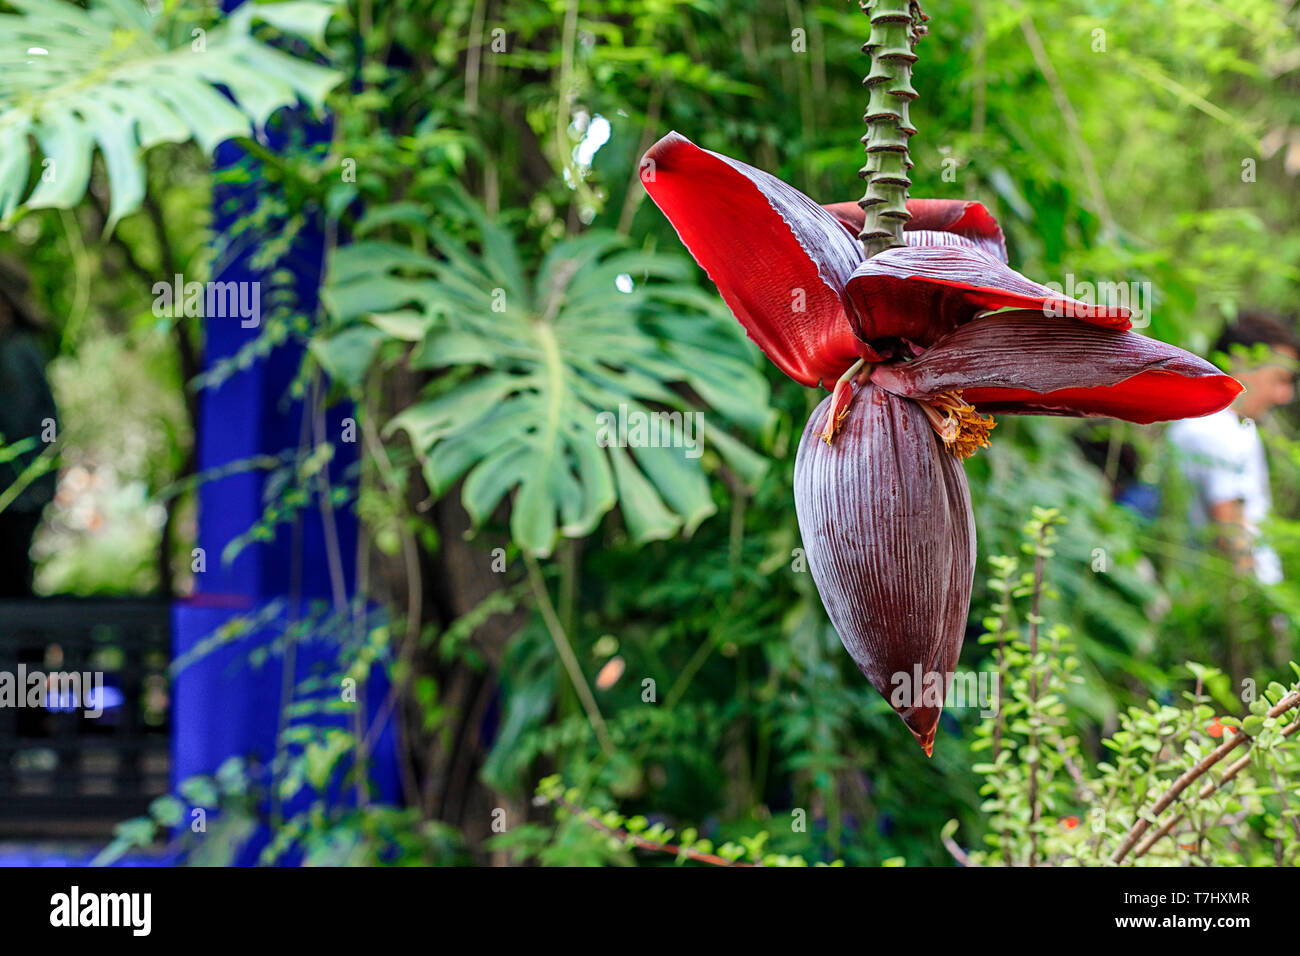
[
  {"x": 26, "y": 409},
  {"x": 1222, "y": 454}
]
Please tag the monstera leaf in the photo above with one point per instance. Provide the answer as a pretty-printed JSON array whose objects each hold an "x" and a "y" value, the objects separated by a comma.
[
  {"x": 113, "y": 76},
  {"x": 536, "y": 370}
]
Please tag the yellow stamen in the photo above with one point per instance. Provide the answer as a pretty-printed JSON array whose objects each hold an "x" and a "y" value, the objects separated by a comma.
[
  {"x": 834, "y": 421},
  {"x": 841, "y": 400},
  {"x": 962, "y": 429}
]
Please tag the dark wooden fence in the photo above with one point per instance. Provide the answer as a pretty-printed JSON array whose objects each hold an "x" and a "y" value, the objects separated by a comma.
[{"x": 62, "y": 771}]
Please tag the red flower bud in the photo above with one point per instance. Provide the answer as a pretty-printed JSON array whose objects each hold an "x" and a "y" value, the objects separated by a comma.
[{"x": 886, "y": 520}]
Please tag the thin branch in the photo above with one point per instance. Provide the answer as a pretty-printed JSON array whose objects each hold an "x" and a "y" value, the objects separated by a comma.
[
  {"x": 414, "y": 583},
  {"x": 1210, "y": 788},
  {"x": 187, "y": 350},
  {"x": 955, "y": 851},
  {"x": 1085, "y": 792},
  {"x": 1063, "y": 105},
  {"x": 639, "y": 842},
  {"x": 565, "y": 650},
  {"x": 1034, "y": 621},
  {"x": 1191, "y": 98},
  {"x": 979, "y": 97},
  {"x": 1141, "y": 826},
  {"x": 688, "y": 674},
  {"x": 635, "y": 190},
  {"x": 474, "y": 57},
  {"x": 39, "y": 465}
]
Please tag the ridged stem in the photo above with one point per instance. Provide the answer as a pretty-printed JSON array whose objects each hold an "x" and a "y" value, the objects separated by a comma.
[{"x": 896, "y": 25}]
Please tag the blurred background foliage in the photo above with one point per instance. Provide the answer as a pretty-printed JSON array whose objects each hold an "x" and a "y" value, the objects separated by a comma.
[{"x": 478, "y": 143}]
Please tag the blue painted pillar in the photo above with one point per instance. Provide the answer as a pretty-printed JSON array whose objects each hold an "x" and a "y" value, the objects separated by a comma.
[{"x": 225, "y": 704}]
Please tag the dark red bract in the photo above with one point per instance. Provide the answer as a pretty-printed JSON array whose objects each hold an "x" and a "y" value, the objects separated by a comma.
[{"x": 917, "y": 345}]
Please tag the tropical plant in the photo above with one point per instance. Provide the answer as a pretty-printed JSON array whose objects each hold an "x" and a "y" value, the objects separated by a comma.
[
  {"x": 537, "y": 377},
  {"x": 117, "y": 77},
  {"x": 1056, "y": 117}
]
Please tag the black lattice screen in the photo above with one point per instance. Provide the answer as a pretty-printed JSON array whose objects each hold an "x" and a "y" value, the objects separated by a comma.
[{"x": 60, "y": 770}]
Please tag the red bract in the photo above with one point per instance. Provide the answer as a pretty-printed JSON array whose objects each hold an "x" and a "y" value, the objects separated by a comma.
[
  {"x": 779, "y": 260},
  {"x": 914, "y": 349}
]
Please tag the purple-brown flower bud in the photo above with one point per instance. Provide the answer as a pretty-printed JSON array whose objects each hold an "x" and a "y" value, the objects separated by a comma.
[{"x": 886, "y": 521}]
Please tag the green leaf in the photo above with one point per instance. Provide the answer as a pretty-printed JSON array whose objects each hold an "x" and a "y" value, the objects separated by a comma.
[
  {"x": 643, "y": 510},
  {"x": 407, "y": 326},
  {"x": 537, "y": 371},
  {"x": 121, "y": 85},
  {"x": 167, "y": 810},
  {"x": 347, "y": 355},
  {"x": 307, "y": 19},
  {"x": 320, "y": 758},
  {"x": 200, "y": 792},
  {"x": 66, "y": 169},
  {"x": 680, "y": 481}
]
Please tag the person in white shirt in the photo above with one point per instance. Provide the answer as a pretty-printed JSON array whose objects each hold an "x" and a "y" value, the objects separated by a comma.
[{"x": 1222, "y": 454}]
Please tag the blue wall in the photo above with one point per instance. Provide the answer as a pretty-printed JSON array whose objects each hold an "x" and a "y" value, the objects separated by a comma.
[{"x": 223, "y": 705}]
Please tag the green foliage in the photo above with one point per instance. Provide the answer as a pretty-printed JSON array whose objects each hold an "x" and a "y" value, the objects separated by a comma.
[
  {"x": 604, "y": 836},
  {"x": 217, "y": 820},
  {"x": 114, "y": 77},
  {"x": 456, "y": 169},
  {"x": 535, "y": 373},
  {"x": 1048, "y": 802},
  {"x": 123, "y": 434}
]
